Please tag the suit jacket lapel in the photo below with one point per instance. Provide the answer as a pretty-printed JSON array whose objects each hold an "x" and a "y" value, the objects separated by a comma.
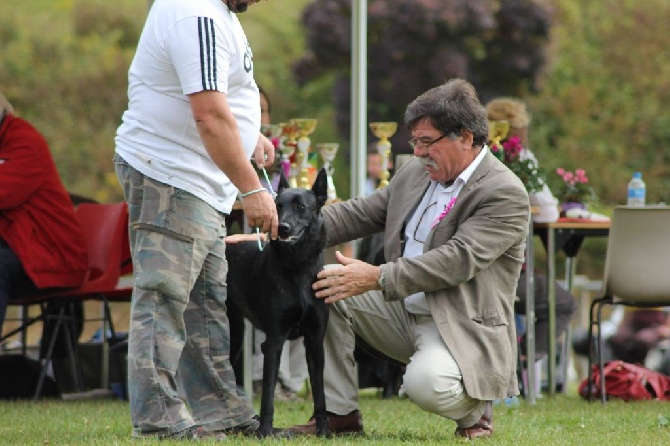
[
  {"x": 480, "y": 172},
  {"x": 411, "y": 187}
]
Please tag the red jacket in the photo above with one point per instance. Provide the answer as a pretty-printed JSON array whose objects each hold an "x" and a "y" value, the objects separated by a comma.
[{"x": 37, "y": 218}]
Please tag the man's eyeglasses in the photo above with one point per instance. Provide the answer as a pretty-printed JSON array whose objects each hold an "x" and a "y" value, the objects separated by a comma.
[
  {"x": 424, "y": 143},
  {"x": 423, "y": 227}
]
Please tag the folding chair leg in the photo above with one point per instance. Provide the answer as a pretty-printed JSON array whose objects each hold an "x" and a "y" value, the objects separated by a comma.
[
  {"x": 519, "y": 371},
  {"x": 592, "y": 344},
  {"x": 76, "y": 377},
  {"x": 601, "y": 366},
  {"x": 47, "y": 359}
]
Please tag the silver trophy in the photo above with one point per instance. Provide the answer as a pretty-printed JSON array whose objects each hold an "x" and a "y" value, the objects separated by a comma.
[{"x": 328, "y": 150}]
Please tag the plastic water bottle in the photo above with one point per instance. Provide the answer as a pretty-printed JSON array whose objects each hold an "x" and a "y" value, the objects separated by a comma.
[{"x": 636, "y": 190}]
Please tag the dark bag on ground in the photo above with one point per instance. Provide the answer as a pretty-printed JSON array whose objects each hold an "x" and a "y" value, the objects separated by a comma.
[
  {"x": 628, "y": 382},
  {"x": 18, "y": 378}
]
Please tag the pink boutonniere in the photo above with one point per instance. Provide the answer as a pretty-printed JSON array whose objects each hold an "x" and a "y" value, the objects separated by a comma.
[{"x": 444, "y": 213}]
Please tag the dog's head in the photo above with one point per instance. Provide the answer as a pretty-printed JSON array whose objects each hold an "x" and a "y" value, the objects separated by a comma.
[{"x": 299, "y": 210}]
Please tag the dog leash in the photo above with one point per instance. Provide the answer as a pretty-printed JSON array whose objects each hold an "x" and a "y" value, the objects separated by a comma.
[{"x": 261, "y": 245}]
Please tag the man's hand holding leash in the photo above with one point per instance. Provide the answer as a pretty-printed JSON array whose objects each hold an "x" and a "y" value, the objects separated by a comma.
[{"x": 258, "y": 204}]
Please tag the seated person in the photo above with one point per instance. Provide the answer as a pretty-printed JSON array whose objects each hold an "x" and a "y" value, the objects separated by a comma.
[
  {"x": 41, "y": 242},
  {"x": 631, "y": 335},
  {"x": 640, "y": 331},
  {"x": 514, "y": 112}
]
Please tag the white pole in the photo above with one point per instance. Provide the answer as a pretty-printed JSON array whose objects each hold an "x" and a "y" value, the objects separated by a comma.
[{"x": 359, "y": 96}]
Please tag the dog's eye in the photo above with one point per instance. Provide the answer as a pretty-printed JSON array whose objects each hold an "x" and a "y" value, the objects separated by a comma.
[{"x": 300, "y": 206}]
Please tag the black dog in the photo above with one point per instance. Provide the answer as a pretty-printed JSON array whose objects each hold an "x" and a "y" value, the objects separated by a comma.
[{"x": 273, "y": 289}]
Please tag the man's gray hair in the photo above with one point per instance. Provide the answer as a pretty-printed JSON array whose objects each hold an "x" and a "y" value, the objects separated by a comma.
[{"x": 451, "y": 107}]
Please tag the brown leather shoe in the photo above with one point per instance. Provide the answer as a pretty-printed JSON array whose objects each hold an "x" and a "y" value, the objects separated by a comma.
[
  {"x": 482, "y": 428},
  {"x": 351, "y": 424}
]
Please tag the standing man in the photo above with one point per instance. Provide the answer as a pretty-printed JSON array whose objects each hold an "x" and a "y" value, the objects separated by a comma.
[
  {"x": 182, "y": 154},
  {"x": 455, "y": 221}
]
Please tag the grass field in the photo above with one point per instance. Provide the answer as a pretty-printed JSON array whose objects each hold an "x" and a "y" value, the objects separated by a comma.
[{"x": 563, "y": 420}]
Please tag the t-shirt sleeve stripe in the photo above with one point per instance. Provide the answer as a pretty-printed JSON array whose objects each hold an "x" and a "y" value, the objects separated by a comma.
[
  {"x": 214, "y": 78},
  {"x": 207, "y": 38}
]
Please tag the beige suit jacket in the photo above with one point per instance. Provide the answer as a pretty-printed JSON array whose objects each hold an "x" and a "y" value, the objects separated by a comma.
[{"x": 469, "y": 270}]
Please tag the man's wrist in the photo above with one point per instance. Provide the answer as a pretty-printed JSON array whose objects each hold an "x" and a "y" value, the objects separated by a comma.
[
  {"x": 380, "y": 279},
  {"x": 254, "y": 191}
]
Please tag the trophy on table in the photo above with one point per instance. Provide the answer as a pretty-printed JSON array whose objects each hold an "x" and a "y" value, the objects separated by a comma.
[
  {"x": 498, "y": 131},
  {"x": 383, "y": 131},
  {"x": 287, "y": 147},
  {"x": 328, "y": 150},
  {"x": 305, "y": 127}
]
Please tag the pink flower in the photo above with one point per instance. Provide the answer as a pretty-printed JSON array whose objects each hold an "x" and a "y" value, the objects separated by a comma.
[
  {"x": 512, "y": 148},
  {"x": 444, "y": 213},
  {"x": 575, "y": 186}
]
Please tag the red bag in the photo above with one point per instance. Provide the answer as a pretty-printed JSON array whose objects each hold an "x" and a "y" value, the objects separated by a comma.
[{"x": 628, "y": 382}]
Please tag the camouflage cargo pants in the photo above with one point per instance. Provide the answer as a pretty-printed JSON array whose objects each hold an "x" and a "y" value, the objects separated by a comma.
[{"x": 178, "y": 312}]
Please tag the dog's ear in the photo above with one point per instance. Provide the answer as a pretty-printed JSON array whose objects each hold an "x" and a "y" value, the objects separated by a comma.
[
  {"x": 320, "y": 187},
  {"x": 283, "y": 181}
]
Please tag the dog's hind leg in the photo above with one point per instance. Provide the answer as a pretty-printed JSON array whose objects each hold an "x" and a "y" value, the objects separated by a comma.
[{"x": 272, "y": 349}]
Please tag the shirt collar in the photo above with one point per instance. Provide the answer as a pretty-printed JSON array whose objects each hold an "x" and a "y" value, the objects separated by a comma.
[{"x": 467, "y": 173}]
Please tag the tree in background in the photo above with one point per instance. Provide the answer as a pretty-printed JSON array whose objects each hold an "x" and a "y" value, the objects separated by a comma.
[
  {"x": 605, "y": 103},
  {"x": 65, "y": 68},
  {"x": 414, "y": 45}
]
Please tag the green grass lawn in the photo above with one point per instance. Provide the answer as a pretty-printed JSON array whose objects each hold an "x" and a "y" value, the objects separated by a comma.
[{"x": 563, "y": 420}]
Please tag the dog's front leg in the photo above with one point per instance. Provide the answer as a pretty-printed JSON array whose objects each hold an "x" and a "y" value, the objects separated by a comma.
[
  {"x": 272, "y": 349},
  {"x": 315, "y": 365}
]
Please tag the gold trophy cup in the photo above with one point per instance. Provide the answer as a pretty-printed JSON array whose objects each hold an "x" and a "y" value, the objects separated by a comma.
[
  {"x": 305, "y": 127},
  {"x": 287, "y": 147},
  {"x": 498, "y": 131},
  {"x": 383, "y": 131},
  {"x": 328, "y": 150}
]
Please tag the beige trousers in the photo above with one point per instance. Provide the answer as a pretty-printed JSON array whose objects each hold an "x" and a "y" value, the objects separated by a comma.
[{"x": 432, "y": 379}]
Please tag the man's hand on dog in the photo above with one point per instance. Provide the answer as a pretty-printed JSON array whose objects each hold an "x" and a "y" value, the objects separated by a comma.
[{"x": 351, "y": 278}]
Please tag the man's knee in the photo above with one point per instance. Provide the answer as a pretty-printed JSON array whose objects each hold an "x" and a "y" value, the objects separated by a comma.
[{"x": 430, "y": 388}]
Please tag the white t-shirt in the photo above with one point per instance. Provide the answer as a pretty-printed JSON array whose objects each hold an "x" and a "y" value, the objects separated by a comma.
[{"x": 187, "y": 47}]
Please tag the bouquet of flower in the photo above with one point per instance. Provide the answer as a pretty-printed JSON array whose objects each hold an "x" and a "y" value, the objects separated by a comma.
[
  {"x": 575, "y": 187},
  {"x": 509, "y": 152}
]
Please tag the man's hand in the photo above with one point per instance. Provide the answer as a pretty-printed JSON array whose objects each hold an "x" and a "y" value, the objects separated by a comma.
[
  {"x": 264, "y": 153},
  {"x": 352, "y": 278},
  {"x": 261, "y": 212},
  {"x": 237, "y": 238}
]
